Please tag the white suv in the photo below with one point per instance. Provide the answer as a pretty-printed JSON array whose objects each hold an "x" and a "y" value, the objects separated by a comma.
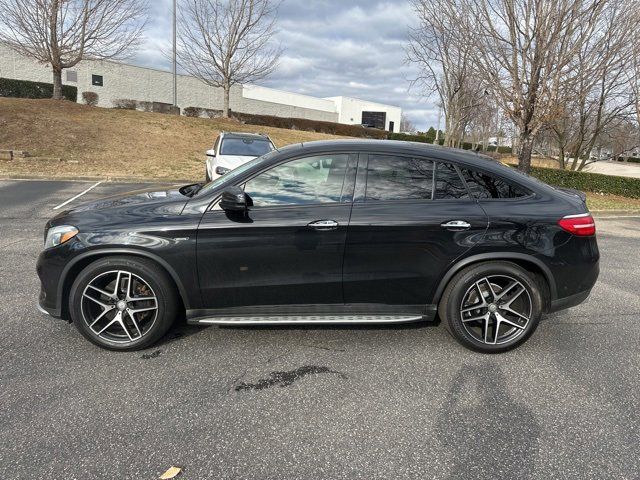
[{"x": 234, "y": 149}]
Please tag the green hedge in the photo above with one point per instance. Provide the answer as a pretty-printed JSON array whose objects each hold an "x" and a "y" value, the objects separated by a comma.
[
  {"x": 427, "y": 139},
  {"x": 630, "y": 159},
  {"x": 499, "y": 149},
  {"x": 412, "y": 138},
  {"x": 26, "y": 89},
  {"x": 310, "y": 125},
  {"x": 589, "y": 182}
]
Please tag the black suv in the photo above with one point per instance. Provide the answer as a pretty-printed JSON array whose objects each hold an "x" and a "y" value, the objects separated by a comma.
[{"x": 349, "y": 232}]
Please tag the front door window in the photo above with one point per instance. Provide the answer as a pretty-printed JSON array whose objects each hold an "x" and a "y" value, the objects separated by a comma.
[{"x": 305, "y": 181}]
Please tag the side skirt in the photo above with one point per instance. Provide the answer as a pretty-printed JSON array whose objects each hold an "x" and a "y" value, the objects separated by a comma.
[{"x": 311, "y": 315}]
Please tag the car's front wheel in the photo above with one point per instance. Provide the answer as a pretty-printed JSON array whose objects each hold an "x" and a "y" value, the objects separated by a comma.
[
  {"x": 491, "y": 307},
  {"x": 123, "y": 303},
  {"x": 206, "y": 175}
]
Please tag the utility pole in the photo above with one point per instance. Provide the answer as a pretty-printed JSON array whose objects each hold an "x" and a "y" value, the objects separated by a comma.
[{"x": 175, "y": 69}]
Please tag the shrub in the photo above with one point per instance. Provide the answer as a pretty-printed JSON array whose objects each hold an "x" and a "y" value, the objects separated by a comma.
[
  {"x": 212, "y": 113},
  {"x": 90, "y": 98},
  {"x": 589, "y": 182},
  {"x": 125, "y": 104},
  {"x": 310, "y": 125},
  {"x": 160, "y": 107},
  {"x": 145, "y": 106},
  {"x": 26, "y": 89},
  {"x": 192, "y": 111}
]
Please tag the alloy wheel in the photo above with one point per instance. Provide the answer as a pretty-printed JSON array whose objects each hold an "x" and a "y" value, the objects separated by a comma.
[
  {"x": 496, "y": 309},
  {"x": 119, "y": 306}
]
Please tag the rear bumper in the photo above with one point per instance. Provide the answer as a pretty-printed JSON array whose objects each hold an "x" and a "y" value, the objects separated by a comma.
[
  {"x": 578, "y": 288},
  {"x": 568, "y": 302}
]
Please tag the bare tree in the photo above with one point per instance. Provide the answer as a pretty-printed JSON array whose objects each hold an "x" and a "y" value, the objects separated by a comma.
[
  {"x": 445, "y": 64},
  {"x": 522, "y": 51},
  {"x": 596, "y": 90},
  {"x": 406, "y": 125},
  {"x": 483, "y": 124},
  {"x": 228, "y": 42},
  {"x": 619, "y": 140},
  {"x": 632, "y": 72},
  {"x": 63, "y": 32}
]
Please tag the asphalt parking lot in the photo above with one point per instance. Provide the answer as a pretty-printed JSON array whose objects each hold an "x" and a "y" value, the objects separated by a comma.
[{"x": 317, "y": 403}]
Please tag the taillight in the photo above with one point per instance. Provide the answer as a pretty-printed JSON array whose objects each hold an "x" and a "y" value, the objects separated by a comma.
[{"x": 582, "y": 225}]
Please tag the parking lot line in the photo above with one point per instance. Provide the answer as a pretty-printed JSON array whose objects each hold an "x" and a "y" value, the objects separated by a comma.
[{"x": 78, "y": 195}]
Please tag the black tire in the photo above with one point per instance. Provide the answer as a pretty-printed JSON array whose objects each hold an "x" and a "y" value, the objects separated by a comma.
[
  {"x": 473, "y": 334},
  {"x": 158, "y": 283},
  {"x": 206, "y": 174}
]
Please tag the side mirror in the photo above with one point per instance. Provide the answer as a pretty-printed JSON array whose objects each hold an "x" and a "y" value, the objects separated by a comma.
[
  {"x": 233, "y": 200},
  {"x": 211, "y": 153}
]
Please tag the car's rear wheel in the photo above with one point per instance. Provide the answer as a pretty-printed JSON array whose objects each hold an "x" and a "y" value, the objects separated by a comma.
[
  {"x": 491, "y": 307},
  {"x": 123, "y": 303}
]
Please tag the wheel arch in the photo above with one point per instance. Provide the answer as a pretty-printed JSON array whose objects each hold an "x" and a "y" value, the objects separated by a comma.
[
  {"x": 528, "y": 262},
  {"x": 73, "y": 269}
]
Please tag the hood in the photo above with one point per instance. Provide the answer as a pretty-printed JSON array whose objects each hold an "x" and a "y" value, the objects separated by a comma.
[
  {"x": 149, "y": 202},
  {"x": 133, "y": 198},
  {"x": 233, "y": 161}
]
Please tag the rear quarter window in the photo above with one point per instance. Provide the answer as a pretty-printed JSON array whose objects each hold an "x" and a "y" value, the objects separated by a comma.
[{"x": 483, "y": 185}]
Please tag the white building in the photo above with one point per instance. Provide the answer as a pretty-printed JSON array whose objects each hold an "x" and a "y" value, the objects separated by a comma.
[
  {"x": 113, "y": 81},
  {"x": 353, "y": 110}
]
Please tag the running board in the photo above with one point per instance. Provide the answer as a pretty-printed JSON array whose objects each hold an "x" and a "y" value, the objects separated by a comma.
[{"x": 306, "y": 319}]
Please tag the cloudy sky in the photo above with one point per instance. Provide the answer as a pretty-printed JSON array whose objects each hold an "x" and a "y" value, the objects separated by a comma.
[{"x": 331, "y": 47}]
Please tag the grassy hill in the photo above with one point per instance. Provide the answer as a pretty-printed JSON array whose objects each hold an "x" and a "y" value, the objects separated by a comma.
[{"x": 69, "y": 139}]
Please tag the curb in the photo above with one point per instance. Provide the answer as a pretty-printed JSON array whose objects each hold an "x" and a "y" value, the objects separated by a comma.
[
  {"x": 96, "y": 179},
  {"x": 615, "y": 213}
]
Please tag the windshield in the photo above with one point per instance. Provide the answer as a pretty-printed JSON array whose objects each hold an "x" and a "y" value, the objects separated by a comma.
[
  {"x": 246, "y": 147},
  {"x": 236, "y": 172}
]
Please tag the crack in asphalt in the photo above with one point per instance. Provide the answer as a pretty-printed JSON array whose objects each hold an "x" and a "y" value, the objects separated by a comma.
[{"x": 320, "y": 347}]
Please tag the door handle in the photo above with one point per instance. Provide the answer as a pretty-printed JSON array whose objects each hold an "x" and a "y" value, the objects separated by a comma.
[
  {"x": 323, "y": 225},
  {"x": 456, "y": 225}
]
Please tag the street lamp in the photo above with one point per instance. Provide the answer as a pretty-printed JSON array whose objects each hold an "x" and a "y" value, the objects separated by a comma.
[
  {"x": 437, "y": 140},
  {"x": 175, "y": 73}
]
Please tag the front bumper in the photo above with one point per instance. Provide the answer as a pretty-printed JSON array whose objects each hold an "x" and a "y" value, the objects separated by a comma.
[
  {"x": 50, "y": 268},
  {"x": 42, "y": 310}
]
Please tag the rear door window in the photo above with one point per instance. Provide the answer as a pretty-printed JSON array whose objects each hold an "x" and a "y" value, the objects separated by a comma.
[
  {"x": 392, "y": 177},
  {"x": 449, "y": 185}
]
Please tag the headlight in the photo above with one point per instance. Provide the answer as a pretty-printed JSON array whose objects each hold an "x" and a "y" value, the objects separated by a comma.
[
  {"x": 59, "y": 235},
  {"x": 222, "y": 170}
]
